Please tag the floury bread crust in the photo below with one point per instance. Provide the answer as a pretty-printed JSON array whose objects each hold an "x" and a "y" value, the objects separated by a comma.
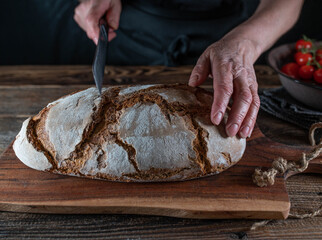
[{"x": 134, "y": 133}]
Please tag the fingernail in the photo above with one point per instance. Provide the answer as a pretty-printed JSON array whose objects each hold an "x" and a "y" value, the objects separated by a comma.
[
  {"x": 232, "y": 130},
  {"x": 244, "y": 132},
  {"x": 250, "y": 132},
  {"x": 95, "y": 40},
  {"x": 217, "y": 118}
]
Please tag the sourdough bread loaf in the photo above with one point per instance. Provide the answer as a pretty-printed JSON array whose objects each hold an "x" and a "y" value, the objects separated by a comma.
[{"x": 133, "y": 133}]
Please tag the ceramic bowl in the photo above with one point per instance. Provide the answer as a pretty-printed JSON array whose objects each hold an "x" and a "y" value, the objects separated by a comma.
[{"x": 308, "y": 92}]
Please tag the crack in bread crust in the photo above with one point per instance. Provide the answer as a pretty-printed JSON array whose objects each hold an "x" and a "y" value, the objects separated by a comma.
[
  {"x": 227, "y": 156},
  {"x": 201, "y": 148},
  {"x": 100, "y": 160},
  {"x": 103, "y": 128},
  {"x": 32, "y": 137},
  {"x": 92, "y": 136},
  {"x": 131, "y": 153},
  {"x": 199, "y": 145}
]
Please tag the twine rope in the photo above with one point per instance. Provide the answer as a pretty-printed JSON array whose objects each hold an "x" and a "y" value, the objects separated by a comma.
[
  {"x": 291, "y": 215},
  {"x": 280, "y": 165},
  {"x": 306, "y": 215}
]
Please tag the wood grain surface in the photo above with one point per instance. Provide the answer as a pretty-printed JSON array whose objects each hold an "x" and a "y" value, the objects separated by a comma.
[
  {"x": 230, "y": 194},
  {"x": 24, "y": 90}
]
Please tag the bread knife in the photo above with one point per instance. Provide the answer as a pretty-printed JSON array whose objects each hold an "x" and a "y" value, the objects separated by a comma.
[{"x": 100, "y": 54}]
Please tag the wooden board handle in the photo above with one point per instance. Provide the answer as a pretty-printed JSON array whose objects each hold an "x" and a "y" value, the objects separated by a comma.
[{"x": 315, "y": 166}]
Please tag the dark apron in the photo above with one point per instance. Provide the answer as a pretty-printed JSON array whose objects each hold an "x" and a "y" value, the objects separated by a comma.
[
  {"x": 173, "y": 32},
  {"x": 156, "y": 32}
]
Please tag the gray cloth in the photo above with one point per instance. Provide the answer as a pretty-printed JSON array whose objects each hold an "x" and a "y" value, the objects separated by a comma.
[{"x": 279, "y": 103}]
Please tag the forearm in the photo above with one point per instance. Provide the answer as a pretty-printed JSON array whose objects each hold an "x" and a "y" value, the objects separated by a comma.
[{"x": 270, "y": 21}]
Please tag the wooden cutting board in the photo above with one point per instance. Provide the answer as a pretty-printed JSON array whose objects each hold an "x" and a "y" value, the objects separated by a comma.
[{"x": 230, "y": 194}]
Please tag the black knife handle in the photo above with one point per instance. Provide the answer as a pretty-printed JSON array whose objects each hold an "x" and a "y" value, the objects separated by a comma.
[
  {"x": 103, "y": 28},
  {"x": 102, "y": 21},
  {"x": 100, "y": 54}
]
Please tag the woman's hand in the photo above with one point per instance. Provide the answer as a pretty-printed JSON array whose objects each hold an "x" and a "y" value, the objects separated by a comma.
[
  {"x": 230, "y": 63},
  {"x": 88, "y": 13}
]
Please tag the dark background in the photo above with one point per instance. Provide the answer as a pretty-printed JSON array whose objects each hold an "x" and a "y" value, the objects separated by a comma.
[{"x": 44, "y": 32}]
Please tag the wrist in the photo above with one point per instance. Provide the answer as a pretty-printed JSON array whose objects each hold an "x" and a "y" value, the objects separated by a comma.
[{"x": 246, "y": 43}]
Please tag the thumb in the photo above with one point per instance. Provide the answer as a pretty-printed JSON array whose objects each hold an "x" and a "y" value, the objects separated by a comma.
[
  {"x": 94, "y": 14},
  {"x": 200, "y": 72},
  {"x": 113, "y": 14}
]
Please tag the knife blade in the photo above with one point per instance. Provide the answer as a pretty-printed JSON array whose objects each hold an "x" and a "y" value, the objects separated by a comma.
[{"x": 100, "y": 55}]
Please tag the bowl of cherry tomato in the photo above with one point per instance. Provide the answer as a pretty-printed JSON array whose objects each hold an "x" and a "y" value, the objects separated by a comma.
[{"x": 299, "y": 66}]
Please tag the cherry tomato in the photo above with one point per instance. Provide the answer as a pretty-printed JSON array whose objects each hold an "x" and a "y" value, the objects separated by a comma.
[
  {"x": 302, "y": 58},
  {"x": 291, "y": 69},
  {"x": 318, "y": 75},
  {"x": 320, "y": 62},
  {"x": 318, "y": 55},
  {"x": 306, "y": 72},
  {"x": 303, "y": 44}
]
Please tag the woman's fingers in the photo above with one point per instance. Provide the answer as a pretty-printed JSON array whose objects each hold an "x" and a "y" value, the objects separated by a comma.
[
  {"x": 230, "y": 63},
  {"x": 113, "y": 14},
  {"x": 95, "y": 13},
  {"x": 111, "y": 34},
  {"x": 80, "y": 12},
  {"x": 222, "y": 83},
  {"x": 243, "y": 114},
  {"x": 200, "y": 72},
  {"x": 223, "y": 89},
  {"x": 248, "y": 124},
  {"x": 242, "y": 100},
  {"x": 88, "y": 14}
]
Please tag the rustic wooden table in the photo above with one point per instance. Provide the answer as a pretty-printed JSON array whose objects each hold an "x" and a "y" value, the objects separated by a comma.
[{"x": 24, "y": 90}]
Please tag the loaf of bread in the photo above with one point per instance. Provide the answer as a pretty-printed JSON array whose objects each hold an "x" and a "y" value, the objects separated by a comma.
[{"x": 142, "y": 133}]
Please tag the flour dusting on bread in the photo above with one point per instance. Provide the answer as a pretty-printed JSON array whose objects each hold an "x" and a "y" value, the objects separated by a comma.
[{"x": 141, "y": 133}]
